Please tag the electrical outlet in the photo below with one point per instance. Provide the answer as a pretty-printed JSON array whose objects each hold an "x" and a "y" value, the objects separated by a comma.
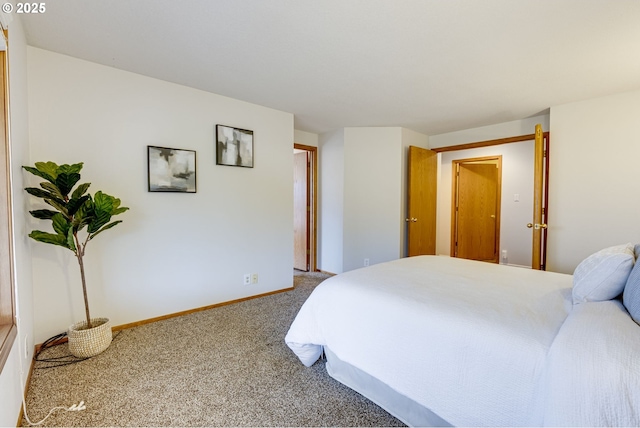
[
  {"x": 254, "y": 278},
  {"x": 366, "y": 262},
  {"x": 247, "y": 278}
]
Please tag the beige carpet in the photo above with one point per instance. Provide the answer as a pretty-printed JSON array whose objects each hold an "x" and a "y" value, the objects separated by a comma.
[{"x": 227, "y": 366}]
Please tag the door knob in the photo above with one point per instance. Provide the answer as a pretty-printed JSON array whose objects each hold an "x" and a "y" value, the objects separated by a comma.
[
  {"x": 412, "y": 219},
  {"x": 537, "y": 226}
]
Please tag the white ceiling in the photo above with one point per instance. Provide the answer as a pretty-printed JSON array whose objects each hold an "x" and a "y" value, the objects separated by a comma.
[{"x": 433, "y": 66}]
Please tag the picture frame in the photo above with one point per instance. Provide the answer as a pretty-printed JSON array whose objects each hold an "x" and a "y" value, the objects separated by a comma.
[
  {"x": 171, "y": 170},
  {"x": 234, "y": 146}
]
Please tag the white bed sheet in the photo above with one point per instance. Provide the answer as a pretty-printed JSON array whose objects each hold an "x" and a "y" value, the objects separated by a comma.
[
  {"x": 593, "y": 371},
  {"x": 465, "y": 339}
]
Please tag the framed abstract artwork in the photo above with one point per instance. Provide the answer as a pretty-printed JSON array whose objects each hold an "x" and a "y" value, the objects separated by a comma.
[
  {"x": 171, "y": 170},
  {"x": 234, "y": 146}
]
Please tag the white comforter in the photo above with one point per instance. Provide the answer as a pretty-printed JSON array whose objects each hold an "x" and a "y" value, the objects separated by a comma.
[
  {"x": 468, "y": 340},
  {"x": 593, "y": 371}
]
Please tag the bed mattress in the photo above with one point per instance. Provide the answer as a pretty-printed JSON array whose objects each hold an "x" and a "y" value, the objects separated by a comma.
[{"x": 466, "y": 340}]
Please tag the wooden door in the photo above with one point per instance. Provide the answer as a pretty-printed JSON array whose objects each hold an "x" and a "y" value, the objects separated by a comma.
[
  {"x": 477, "y": 210},
  {"x": 301, "y": 210},
  {"x": 421, "y": 201},
  {"x": 539, "y": 225}
]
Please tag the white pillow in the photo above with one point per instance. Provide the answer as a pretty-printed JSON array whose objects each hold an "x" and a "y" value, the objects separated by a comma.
[
  {"x": 603, "y": 275},
  {"x": 631, "y": 295}
]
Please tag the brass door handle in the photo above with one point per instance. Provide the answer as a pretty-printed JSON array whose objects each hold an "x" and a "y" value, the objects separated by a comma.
[
  {"x": 537, "y": 226},
  {"x": 412, "y": 219}
]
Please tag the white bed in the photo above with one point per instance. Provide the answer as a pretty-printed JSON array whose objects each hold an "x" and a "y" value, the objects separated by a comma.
[{"x": 446, "y": 341}]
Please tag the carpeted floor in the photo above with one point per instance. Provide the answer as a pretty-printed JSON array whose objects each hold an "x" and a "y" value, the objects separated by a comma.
[{"x": 227, "y": 366}]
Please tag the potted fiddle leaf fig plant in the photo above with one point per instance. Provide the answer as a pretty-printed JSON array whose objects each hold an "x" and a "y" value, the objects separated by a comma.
[{"x": 76, "y": 218}]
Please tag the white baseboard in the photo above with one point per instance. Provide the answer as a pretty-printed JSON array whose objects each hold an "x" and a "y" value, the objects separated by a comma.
[{"x": 514, "y": 265}]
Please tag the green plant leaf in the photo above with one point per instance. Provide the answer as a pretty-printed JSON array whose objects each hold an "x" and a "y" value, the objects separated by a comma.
[
  {"x": 87, "y": 207},
  {"x": 43, "y": 214},
  {"x": 49, "y": 168},
  {"x": 58, "y": 204},
  {"x": 80, "y": 190},
  {"x": 74, "y": 204},
  {"x": 116, "y": 207},
  {"x": 80, "y": 221},
  {"x": 105, "y": 202},
  {"x": 39, "y": 193},
  {"x": 84, "y": 215},
  {"x": 66, "y": 181},
  {"x": 71, "y": 244},
  {"x": 115, "y": 202},
  {"x": 108, "y": 226},
  {"x": 39, "y": 173},
  {"x": 70, "y": 169},
  {"x": 120, "y": 210},
  {"x": 60, "y": 224},
  {"x": 49, "y": 238},
  {"x": 100, "y": 219},
  {"x": 52, "y": 188},
  {"x": 103, "y": 205},
  {"x": 49, "y": 198}
]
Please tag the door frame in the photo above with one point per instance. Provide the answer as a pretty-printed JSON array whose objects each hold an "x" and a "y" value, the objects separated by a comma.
[
  {"x": 517, "y": 139},
  {"x": 455, "y": 164},
  {"x": 312, "y": 173}
]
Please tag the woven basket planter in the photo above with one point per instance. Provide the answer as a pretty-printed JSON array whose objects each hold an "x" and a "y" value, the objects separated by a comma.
[{"x": 87, "y": 342}]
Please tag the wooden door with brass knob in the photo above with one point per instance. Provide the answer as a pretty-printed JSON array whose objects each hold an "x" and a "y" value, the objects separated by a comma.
[
  {"x": 421, "y": 201},
  {"x": 476, "y": 208},
  {"x": 540, "y": 186}
]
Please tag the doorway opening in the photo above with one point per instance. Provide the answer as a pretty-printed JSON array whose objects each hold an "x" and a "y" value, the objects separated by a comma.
[
  {"x": 305, "y": 177},
  {"x": 476, "y": 206},
  {"x": 539, "y": 198}
]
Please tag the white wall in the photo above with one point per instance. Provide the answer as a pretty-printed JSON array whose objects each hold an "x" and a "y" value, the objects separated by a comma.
[
  {"x": 11, "y": 388},
  {"x": 15, "y": 371},
  {"x": 331, "y": 166},
  {"x": 594, "y": 188},
  {"x": 491, "y": 132},
  {"x": 306, "y": 138},
  {"x": 372, "y": 196},
  {"x": 517, "y": 178},
  {"x": 363, "y": 187},
  {"x": 173, "y": 252}
]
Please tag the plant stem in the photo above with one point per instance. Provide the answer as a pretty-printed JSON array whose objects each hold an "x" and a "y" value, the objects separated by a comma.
[{"x": 79, "y": 255}]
